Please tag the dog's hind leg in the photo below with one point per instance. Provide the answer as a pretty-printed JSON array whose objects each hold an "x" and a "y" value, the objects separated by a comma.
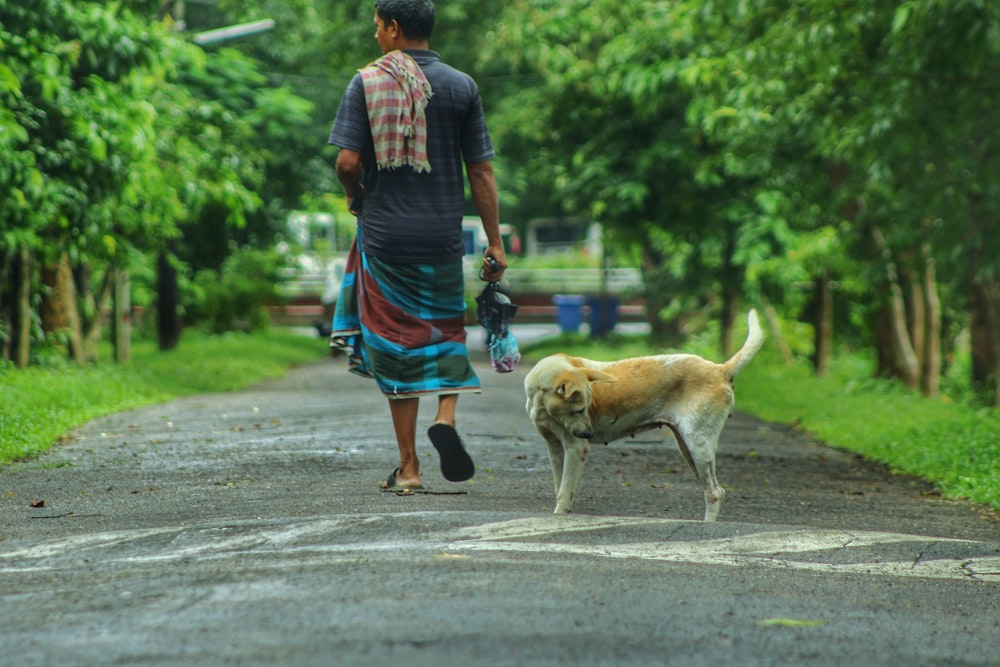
[
  {"x": 714, "y": 493},
  {"x": 700, "y": 456}
]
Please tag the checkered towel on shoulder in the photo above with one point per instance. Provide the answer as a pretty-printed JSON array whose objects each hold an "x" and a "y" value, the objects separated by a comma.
[{"x": 396, "y": 94}]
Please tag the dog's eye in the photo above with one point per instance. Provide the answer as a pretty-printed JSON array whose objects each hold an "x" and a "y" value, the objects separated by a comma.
[{"x": 581, "y": 411}]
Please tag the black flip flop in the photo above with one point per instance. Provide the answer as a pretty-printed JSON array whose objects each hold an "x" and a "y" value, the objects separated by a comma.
[{"x": 456, "y": 464}]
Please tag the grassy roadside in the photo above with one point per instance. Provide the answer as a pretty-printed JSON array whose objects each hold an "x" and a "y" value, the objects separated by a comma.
[
  {"x": 39, "y": 405},
  {"x": 955, "y": 446}
]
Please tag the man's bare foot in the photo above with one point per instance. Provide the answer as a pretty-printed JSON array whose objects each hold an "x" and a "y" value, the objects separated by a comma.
[{"x": 396, "y": 482}]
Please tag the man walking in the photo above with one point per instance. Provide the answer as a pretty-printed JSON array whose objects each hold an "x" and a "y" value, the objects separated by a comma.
[{"x": 410, "y": 130}]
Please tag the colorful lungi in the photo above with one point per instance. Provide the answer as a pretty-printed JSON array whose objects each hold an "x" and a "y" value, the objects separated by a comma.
[{"x": 404, "y": 326}]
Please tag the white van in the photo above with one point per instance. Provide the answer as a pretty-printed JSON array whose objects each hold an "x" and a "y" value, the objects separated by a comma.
[{"x": 475, "y": 240}]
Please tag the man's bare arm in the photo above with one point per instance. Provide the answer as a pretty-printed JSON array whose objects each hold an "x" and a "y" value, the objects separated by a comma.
[
  {"x": 349, "y": 168},
  {"x": 483, "y": 185}
]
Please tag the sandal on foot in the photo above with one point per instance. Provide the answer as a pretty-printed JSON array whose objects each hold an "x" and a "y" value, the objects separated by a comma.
[
  {"x": 456, "y": 464},
  {"x": 390, "y": 485}
]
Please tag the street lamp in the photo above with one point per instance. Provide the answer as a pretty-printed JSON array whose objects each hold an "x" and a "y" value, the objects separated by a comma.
[{"x": 233, "y": 31}]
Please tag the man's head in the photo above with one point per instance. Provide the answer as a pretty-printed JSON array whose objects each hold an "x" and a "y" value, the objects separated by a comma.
[{"x": 415, "y": 18}]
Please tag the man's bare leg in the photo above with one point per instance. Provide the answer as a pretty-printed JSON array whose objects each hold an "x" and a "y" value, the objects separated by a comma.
[
  {"x": 404, "y": 422},
  {"x": 446, "y": 409}
]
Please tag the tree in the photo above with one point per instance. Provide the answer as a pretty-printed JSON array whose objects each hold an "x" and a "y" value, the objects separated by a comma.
[
  {"x": 604, "y": 87},
  {"x": 763, "y": 146},
  {"x": 75, "y": 127},
  {"x": 110, "y": 154}
]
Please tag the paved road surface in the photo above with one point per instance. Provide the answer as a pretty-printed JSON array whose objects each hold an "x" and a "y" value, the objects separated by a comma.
[{"x": 247, "y": 529}]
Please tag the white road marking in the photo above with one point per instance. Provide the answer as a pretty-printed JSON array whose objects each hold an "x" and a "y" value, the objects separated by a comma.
[
  {"x": 78, "y": 543},
  {"x": 759, "y": 549},
  {"x": 322, "y": 538}
]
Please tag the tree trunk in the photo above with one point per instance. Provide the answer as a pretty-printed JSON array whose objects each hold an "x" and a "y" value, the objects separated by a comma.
[
  {"x": 896, "y": 343},
  {"x": 984, "y": 316},
  {"x": 730, "y": 311},
  {"x": 905, "y": 363},
  {"x": 59, "y": 308},
  {"x": 22, "y": 346},
  {"x": 122, "y": 318},
  {"x": 656, "y": 299},
  {"x": 167, "y": 302},
  {"x": 823, "y": 324},
  {"x": 916, "y": 320},
  {"x": 930, "y": 374},
  {"x": 92, "y": 334},
  {"x": 731, "y": 283},
  {"x": 882, "y": 328},
  {"x": 5, "y": 320}
]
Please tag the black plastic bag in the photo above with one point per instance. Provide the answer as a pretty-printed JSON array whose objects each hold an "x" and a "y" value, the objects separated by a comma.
[{"x": 495, "y": 312}]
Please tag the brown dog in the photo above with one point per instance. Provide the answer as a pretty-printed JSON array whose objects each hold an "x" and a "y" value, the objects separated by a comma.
[{"x": 574, "y": 402}]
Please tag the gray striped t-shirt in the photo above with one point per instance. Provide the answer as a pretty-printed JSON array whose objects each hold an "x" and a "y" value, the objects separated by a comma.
[{"x": 416, "y": 218}]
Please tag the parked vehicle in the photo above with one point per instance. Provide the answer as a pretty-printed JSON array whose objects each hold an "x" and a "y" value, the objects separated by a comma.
[{"x": 475, "y": 240}]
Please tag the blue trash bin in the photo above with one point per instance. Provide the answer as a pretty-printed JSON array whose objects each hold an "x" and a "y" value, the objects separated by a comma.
[
  {"x": 603, "y": 314},
  {"x": 569, "y": 311}
]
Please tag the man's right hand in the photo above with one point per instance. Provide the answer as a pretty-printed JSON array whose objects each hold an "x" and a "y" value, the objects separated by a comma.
[{"x": 494, "y": 265}]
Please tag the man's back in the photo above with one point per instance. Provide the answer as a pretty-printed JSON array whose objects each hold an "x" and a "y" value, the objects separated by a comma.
[{"x": 416, "y": 217}]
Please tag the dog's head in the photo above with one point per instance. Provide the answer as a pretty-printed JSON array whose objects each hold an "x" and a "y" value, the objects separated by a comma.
[{"x": 569, "y": 398}]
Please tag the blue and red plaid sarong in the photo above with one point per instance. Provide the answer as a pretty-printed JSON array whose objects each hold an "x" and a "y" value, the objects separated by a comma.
[{"x": 404, "y": 326}]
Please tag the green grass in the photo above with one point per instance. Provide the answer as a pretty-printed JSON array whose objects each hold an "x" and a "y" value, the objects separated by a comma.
[
  {"x": 954, "y": 445},
  {"x": 39, "y": 405}
]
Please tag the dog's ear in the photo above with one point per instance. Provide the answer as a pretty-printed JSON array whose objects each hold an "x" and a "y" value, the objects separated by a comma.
[
  {"x": 568, "y": 388},
  {"x": 595, "y": 376}
]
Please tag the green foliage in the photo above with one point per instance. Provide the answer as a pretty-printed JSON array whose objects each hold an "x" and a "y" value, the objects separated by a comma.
[
  {"x": 40, "y": 405},
  {"x": 732, "y": 150},
  {"x": 749, "y": 148},
  {"x": 119, "y": 137},
  {"x": 235, "y": 297}
]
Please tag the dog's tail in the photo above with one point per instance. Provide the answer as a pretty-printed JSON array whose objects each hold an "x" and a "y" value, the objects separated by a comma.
[{"x": 755, "y": 338}]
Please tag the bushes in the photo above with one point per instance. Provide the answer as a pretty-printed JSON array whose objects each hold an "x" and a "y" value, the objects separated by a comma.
[{"x": 233, "y": 299}]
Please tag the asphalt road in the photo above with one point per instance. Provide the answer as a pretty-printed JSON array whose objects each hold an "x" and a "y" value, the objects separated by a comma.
[{"x": 247, "y": 529}]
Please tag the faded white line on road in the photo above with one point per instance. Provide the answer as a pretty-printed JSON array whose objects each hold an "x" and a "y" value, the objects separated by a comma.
[
  {"x": 322, "y": 537},
  {"x": 73, "y": 543},
  {"x": 763, "y": 549},
  {"x": 981, "y": 569}
]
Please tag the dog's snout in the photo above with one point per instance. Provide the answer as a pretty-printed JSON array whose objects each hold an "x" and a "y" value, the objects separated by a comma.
[{"x": 585, "y": 433}]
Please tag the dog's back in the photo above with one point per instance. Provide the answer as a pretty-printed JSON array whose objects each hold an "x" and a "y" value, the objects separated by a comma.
[
  {"x": 641, "y": 386},
  {"x": 660, "y": 379}
]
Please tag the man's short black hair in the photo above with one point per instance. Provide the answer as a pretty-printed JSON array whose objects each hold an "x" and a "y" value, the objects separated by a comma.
[{"x": 415, "y": 17}]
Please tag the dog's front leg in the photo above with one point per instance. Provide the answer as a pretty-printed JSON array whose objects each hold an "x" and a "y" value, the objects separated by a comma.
[
  {"x": 556, "y": 456},
  {"x": 576, "y": 453}
]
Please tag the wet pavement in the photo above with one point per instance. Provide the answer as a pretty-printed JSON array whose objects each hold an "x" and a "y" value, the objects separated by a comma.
[{"x": 247, "y": 528}]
